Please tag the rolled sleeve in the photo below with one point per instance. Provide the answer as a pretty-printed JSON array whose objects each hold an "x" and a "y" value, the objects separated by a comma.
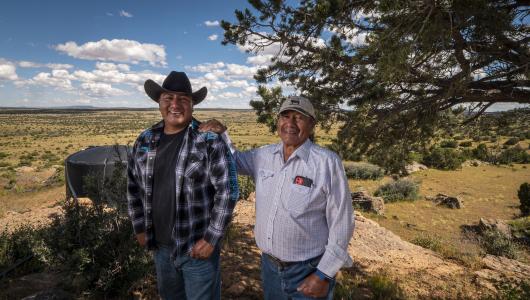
[{"x": 339, "y": 214}]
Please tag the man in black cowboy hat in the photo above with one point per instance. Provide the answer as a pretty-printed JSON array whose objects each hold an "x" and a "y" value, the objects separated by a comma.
[{"x": 182, "y": 189}]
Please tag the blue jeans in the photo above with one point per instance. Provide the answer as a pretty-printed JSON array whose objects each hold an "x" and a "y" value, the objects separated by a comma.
[
  {"x": 186, "y": 277},
  {"x": 281, "y": 283}
]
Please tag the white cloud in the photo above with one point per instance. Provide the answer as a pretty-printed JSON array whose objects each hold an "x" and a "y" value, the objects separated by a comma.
[
  {"x": 206, "y": 67},
  {"x": 264, "y": 59},
  {"x": 126, "y": 14},
  {"x": 62, "y": 74},
  {"x": 240, "y": 70},
  {"x": 98, "y": 89},
  {"x": 213, "y": 37},
  {"x": 30, "y": 64},
  {"x": 47, "y": 79},
  {"x": 111, "y": 66},
  {"x": 8, "y": 70},
  {"x": 110, "y": 14},
  {"x": 116, "y": 50},
  {"x": 211, "y": 23}
]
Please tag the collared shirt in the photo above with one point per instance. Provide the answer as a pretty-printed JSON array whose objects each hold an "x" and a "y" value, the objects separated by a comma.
[
  {"x": 205, "y": 175},
  {"x": 303, "y": 206}
]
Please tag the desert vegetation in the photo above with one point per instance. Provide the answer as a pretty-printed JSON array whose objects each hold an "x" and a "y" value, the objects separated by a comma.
[{"x": 471, "y": 162}]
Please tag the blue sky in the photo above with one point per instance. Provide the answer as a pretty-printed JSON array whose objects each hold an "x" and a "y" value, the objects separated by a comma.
[
  {"x": 99, "y": 53},
  {"x": 56, "y": 53}
]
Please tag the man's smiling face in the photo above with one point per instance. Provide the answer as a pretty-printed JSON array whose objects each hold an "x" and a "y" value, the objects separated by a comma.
[
  {"x": 294, "y": 128},
  {"x": 176, "y": 110}
]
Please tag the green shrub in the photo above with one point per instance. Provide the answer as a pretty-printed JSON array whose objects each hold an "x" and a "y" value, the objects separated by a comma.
[
  {"x": 443, "y": 159},
  {"x": 428, "y": 241},
  {"x": 466, "y": 144},
  {"x": 520, "y": 228},
  {"x": 511, "y": 141},
  {"x": 449, "y": 144},
  {"x": 363, "y": 171},
  {"x": 514, "y": 155},
  {"x": 514, "y": 290},
  {"x": 246, "y": 186},
  {"x": 95, "y": 243},
  {"x": 3, "y": 155},
  {"x": 376, "y": 286},
  {"x": 383, "y": 287},
  {"x": 481, "y": 152},
  {"x": 402, "y": 189},
  {"x": 524, "y": 198},
  {"x": 496, "y": 243},
  {"x": 21, "y": 243}
]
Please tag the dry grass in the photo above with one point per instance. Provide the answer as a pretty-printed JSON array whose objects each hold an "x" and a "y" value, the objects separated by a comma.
[{"x": 487, "y": 191}]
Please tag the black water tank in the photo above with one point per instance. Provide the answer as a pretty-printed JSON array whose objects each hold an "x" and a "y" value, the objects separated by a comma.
[{"x": 93, "y": 160}]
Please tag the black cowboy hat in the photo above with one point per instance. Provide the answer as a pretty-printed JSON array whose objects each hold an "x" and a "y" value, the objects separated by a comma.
[{"x": 174, "y": 82}]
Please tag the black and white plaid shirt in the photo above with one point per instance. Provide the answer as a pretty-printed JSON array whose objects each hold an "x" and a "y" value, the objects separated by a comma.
[{"x": 205, "y": 175}]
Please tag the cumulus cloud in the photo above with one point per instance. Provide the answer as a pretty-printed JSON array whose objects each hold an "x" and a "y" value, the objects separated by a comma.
[
  {"x": 206, "y": 67},
  {"x": 117, "y": 50},
  {"x": 126, "y": 14},
  {"x": 261, "y": 60},
  {"x": 30, "y": 64},
  {"x": 213, "y": 37},
  {"x": 111, "y": 66},
  {"x": 211, "y": 23},
  {"x": 48, "y": 79},
  {"x": 98, "y": 89},
  {"x": 8, "y": 70}
]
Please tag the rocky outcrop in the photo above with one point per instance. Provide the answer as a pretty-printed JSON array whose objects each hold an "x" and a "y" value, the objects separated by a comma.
[
  {"x": 368, "y": 203},
  {"x": 415, "y": 167},
  {"x": 494, "y": 225},
  {"x": 447, "y": 201}
]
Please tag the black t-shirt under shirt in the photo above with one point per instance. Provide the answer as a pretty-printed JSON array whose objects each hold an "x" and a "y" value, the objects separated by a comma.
[{"x": 164, "y": 186}]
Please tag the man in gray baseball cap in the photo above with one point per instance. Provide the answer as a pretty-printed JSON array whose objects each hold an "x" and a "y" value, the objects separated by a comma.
[{"x": 304, "y": 214}]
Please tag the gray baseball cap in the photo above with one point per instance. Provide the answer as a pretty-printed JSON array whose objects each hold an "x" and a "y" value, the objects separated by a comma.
[{"x": 299, "y": 104}]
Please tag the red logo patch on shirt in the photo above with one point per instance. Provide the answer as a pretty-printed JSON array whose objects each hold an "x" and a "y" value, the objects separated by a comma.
[{"x": 300, "y": 180}]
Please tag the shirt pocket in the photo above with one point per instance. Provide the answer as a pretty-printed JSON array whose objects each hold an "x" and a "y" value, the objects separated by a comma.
[
  {"x": 196, "y": 166},
  {"x": 298, "y": 198}
]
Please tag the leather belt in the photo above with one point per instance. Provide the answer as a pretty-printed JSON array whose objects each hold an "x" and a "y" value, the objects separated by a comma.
[{"x": 278, "y": 262}]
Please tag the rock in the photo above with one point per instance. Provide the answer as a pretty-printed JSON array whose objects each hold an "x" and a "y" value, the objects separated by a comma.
[
  {"x": 498, "y": 269},
  {"x": 473, "y": 163},
  {"x": 415, "y": 167},
  {"x": 369, "y": 203},
  {"x": 252, "y": 197},
  {"x": 495, "y": 225},
  {"x": 448, "y": 201},
  {"x": 25, "y": 169}
]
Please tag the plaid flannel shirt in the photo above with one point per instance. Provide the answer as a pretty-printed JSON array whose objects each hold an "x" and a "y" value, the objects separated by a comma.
[{"x": 205, "y": 176}]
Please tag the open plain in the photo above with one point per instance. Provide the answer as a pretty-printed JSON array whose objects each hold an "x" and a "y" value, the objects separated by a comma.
[{"x": 35, "y": 143}]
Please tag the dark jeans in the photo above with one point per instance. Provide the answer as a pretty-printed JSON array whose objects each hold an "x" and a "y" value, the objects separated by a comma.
[
  {"x": 280, "y": 283},
  {"x": 186, "y": 277}
]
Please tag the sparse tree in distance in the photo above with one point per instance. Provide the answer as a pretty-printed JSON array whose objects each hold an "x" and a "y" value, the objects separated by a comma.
[{"x": 387, "y": 70}]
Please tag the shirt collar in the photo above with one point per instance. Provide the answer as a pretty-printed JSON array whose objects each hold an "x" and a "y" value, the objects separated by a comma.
[{"x": 302, "y": 151}]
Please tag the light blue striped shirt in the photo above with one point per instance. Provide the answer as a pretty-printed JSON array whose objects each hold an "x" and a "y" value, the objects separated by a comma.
[{"x": 295, "y": 222}]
